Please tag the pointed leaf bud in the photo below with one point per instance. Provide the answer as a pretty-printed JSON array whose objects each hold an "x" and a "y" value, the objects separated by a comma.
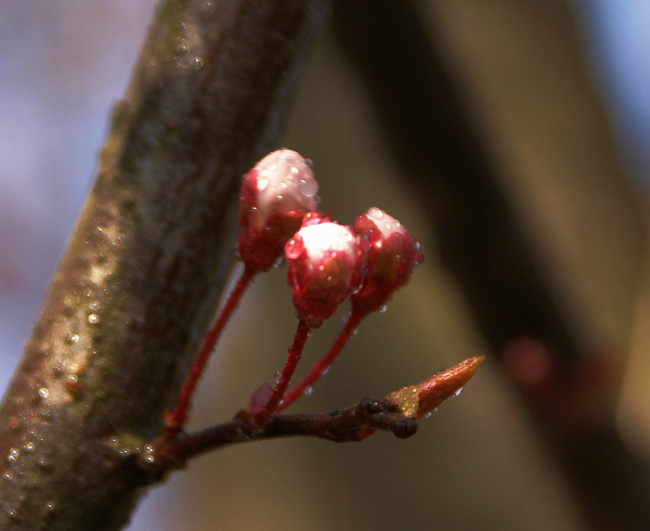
[
  {"x": 275, "y": 196},
  {"x": 326, "y": 263},
  {"x": 392, "y": 257},
  {"x": 422, "y": 399}
]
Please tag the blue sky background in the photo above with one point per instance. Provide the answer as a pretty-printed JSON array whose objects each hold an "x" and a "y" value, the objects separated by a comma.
[{"x": 617, "y": 44}]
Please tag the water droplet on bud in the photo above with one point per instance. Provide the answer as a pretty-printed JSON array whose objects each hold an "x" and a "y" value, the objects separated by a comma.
[
  {"x": 308, "y": 391},
  {"x": 308, "y": 187},
  {"x": 458, "y": 391}
]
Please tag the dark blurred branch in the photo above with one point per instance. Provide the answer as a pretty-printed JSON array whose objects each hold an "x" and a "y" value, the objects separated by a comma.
[
  {"x": 148, "y": 259},
  {"x": 437, "y": 145}
]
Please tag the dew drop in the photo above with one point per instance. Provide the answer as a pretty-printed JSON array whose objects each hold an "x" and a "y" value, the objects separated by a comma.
[
  {"x": 72, "y": 384},
  {"x": 196, "y": 63},
  {"x": 428, "y": 415},
  {"x": 277, "y": 375},
  {"x": 207, "y": 6},
  {"x": 294, "y": 248},
  {"x": 376, "y": 213},
  {"x": 72, "y": 338},
  {"x": 383, "y": 309},
  {"x": 261, "y": 185},
  {"x": 325, "y": 371},
  {"x": 8, "y": 476},
  {"x": 14, "y": 454},
  {"x": 43, "y": 392},
  {"x": 94, "y": 306},
  {"x": 308, "y": 391},
  {"x": 93, "y": 318},
  {"x": 29, "y": 447},
  {"x": 307, "y": 187},
  {"x": 458, "y": 391},
  {"x": 149, "y": 458},
  {"x": 183, "y": 48}
]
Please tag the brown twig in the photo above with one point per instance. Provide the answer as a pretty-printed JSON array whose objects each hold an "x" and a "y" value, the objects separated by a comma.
[{"x": 397, "y": 414}]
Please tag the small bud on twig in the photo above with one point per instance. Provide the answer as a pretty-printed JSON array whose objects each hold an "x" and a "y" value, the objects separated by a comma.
[{"x": 419, "y": 400}]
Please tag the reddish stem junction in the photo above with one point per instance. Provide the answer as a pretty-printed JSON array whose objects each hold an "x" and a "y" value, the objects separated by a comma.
[
  {"x": 295, "y": 352},
  {"x": 319, "y": 368}
]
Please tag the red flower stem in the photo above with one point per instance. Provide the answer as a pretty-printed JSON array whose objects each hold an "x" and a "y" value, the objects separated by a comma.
[
  {"x": 324, "y": 363},
  {"x": 299, "y": 340},
  {"x": 175, "y": 421}
]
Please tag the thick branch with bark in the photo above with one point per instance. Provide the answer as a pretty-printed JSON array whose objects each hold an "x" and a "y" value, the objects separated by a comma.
[{"x": 148, "y": 259}]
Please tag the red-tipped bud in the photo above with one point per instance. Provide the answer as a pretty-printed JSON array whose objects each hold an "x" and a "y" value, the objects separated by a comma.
[
  {"x": 326, "y": 264},
  {"x": 393, "y": 255},
  {"x": 275, "y": 196},
  {"x": 422, "y": 399}
]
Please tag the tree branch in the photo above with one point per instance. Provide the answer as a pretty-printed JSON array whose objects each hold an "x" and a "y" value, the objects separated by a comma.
[
  {"x": 148, "y": 258},
  {"x": 396, "y": 413}
]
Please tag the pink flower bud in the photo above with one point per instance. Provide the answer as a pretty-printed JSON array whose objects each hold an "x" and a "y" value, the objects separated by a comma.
[
  {"x": 326, "y": 263},
  {"x": 392, "y": 256},
  {"x": 275, "y": 196}
]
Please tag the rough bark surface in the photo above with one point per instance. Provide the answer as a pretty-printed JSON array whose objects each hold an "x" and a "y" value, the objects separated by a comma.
[{"x": 145, "y": 266}]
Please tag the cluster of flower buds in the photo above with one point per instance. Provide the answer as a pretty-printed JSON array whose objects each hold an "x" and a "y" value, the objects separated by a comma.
[{"x": 327, "y": 263}]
